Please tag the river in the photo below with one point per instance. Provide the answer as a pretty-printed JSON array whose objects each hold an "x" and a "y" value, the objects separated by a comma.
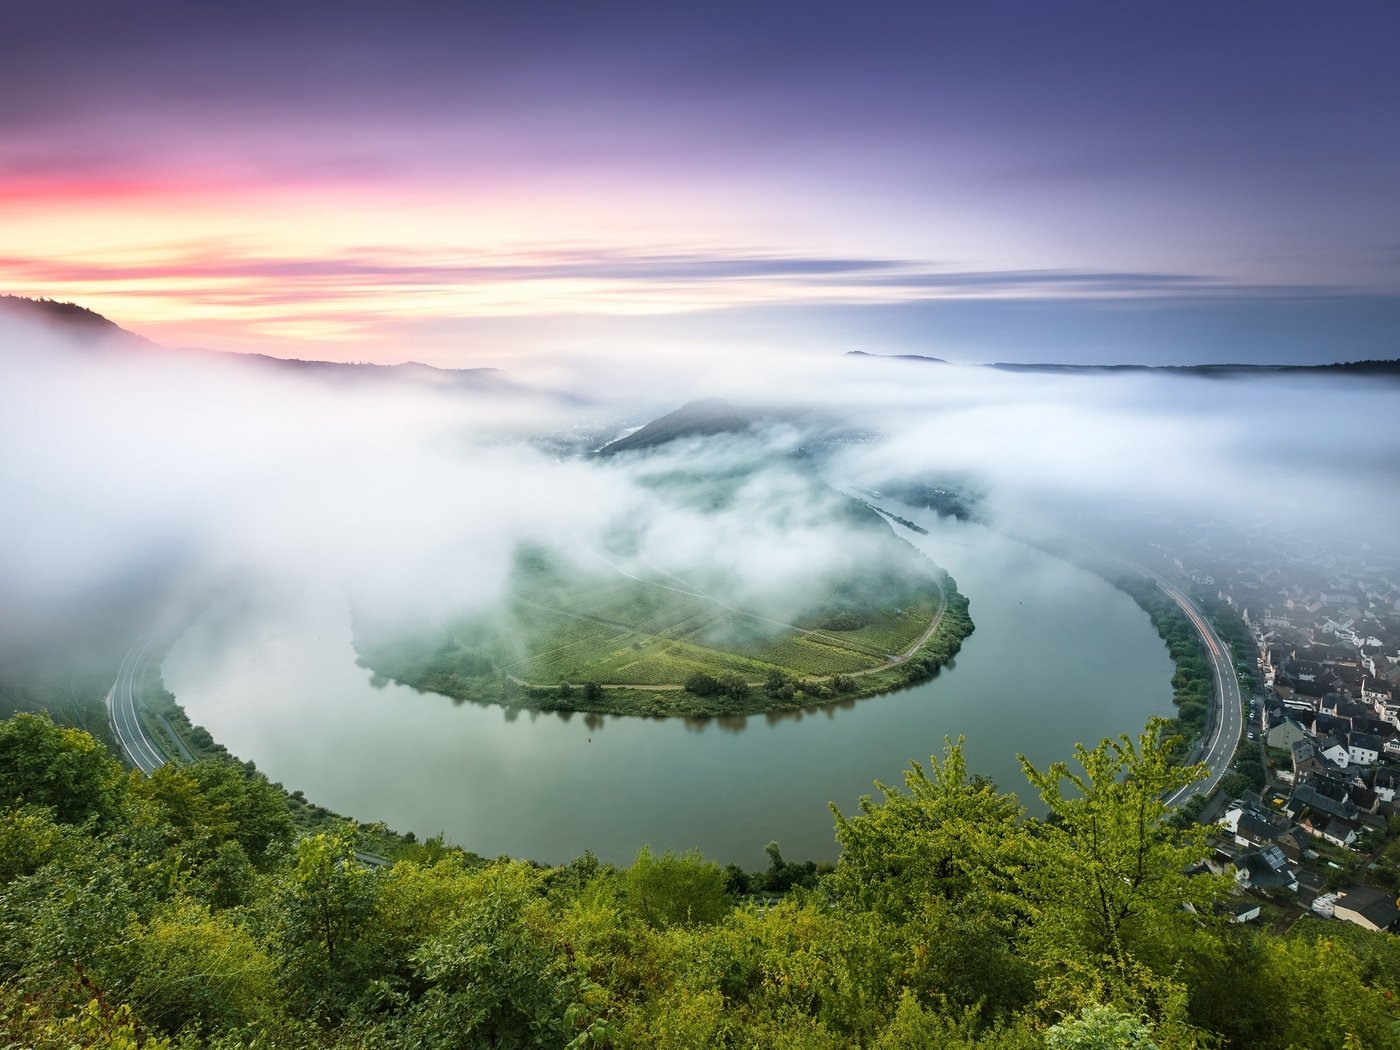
[{"x": 1058, "y": 656}]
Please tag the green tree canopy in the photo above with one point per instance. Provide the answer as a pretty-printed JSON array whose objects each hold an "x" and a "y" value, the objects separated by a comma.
[{"x": 47, "y": 765}]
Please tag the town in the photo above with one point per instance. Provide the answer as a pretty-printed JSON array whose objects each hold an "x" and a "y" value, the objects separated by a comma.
[{"x": 1319, "y": 830}]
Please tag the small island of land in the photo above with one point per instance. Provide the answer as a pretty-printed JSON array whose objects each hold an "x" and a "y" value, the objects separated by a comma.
[
  {"x": 613, "y": 632},
  {"x": 648, "y": 647}
]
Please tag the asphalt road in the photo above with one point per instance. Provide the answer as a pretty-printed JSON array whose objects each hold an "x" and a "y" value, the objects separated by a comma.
[
  {"x": 1227, "y": 724},
  {"x": 142, "y": 751}
]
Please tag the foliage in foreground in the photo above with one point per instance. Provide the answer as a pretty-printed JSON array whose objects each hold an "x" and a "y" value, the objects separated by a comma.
[{"x": 176, "y": 910}]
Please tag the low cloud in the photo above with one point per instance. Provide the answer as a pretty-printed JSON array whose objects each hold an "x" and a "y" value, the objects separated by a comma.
[{"x": 415, "y": 496}]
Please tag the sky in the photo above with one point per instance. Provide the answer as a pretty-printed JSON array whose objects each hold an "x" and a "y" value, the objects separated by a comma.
[{"x": 528, "y": 184}]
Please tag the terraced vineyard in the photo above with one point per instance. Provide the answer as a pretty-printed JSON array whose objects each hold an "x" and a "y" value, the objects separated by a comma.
[
  {"x": 624, "y": 631},
  {"x": 612, "y": 632}
]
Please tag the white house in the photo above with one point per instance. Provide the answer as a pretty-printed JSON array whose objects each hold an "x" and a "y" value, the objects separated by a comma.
[
  {"x": 1373, "y": 691},
  {"x": 1334, "y": 751},
  {"x": 1385, "y": 785},
  {"x": 1245, "y": 911},
  {"x": 1339, "y": 833},
  {"x": 1363, "y": 749}
]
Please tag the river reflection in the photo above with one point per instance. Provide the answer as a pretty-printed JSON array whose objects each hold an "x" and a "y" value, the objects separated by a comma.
[{"x": 1058, "y": 656}]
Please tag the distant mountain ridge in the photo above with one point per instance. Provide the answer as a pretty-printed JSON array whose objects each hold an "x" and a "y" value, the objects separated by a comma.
[
  {"x": 1384, "y": 367},
  {"x": 86, "y": 327},
  {"x": 91, "y": 330}
]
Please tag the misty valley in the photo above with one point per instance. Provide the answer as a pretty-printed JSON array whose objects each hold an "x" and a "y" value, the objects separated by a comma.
[
  {"x": 674, "y": 526},
  {"x": 352, "y": 632},
  {"x": 453, "y": 601}
]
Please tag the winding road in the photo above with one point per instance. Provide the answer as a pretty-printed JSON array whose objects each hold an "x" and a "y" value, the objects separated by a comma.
[
  {"x": 137, "y": 744},
  {"x": 1227, "y": 719}
]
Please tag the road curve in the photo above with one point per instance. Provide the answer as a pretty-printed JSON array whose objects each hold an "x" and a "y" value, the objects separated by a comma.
[
  {"x": 1227, "y": 720},
  {"x": 137, "y": 745}
]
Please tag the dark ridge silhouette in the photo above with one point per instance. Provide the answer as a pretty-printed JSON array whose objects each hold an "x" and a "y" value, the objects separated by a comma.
[
  {"x": 84, "y": 327},
  {"x": 898, "y": 357},
  {"x": 694, "y": 419},
  {"x": 89, "y": 330},
  {"x": 1389, "y": 368}
]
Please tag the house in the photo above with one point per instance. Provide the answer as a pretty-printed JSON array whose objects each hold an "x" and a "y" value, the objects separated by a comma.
[
  {"x": 1338, "y": 790},
  {"x": 1351, "y": 710},
  {"x": 1287, "y": 733},
  {"x": 1252, "y": 825},
  {"x": 1369, "y": 908},
  {"x": 1363, "y": 749},
  {"x": 1306, "y": 760},
  {"x": 1376, "y": 693},
  {"x": 1363, "y": 798},
  {"x": 1329, "y": 725},
  {"x": 1382, "y": 731},
  {"x": 1307, "y": 797},
  {"x": 1265, "y": 869},
  {"x": 1332, "y": 749},
  {"x": 1339, "y": 833},
  {"x": 1386, "y": 783},
  {"x": 1381, "y": 695},
  {"x": 1244, "y": 911}
]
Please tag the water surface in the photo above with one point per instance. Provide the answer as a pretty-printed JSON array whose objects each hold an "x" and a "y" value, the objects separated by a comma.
[{"x": 1058, "y": 656}]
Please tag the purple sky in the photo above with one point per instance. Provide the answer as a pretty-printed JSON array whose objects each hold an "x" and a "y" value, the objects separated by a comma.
[{"x": 1014, "y": 181}]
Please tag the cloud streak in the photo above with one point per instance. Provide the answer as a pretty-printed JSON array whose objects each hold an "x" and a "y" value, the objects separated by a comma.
[{"x": 374, "y": 288}]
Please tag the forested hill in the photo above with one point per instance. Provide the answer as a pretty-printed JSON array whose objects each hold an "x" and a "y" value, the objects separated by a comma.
[
  {"x": 179, "y": 910},
  {"x": 90, "y": 330},
  {"x": 693, "y": 419},
  {"x": 78, "y": 324}
]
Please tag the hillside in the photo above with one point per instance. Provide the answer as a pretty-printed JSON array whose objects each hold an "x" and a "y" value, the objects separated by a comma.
[
  {"x": 89, "y": 330},
  {"x": 613, "y": 631},
  {"x": 83, "y": 327},
  {"x": 695, "y": 419},
  {"x": 183, "y": 910}
]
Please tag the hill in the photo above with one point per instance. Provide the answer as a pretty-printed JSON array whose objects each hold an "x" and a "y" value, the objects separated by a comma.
[
  {"x": 183, "y": 909},
  {"x": 83, "y": 327},
  {"x": 614, "y": 631},
  {"x": 89, "y": 330},
  {"x": 694, "y": 419}
]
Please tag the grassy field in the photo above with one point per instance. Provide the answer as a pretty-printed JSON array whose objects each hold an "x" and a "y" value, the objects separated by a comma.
[
  {"x": 566, "y": 640},
  {"x": 604, "y": 629},
  {"x": 562, "y": 625}
]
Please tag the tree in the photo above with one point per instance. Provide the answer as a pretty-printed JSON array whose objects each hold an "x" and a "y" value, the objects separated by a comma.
[
  {"x": 319, "y": 915},
  {"x": 676, "y": 889},
  {"x": 947, "y": 834},
  {"x": 262, "y": 824},
  {"x": 1108, "y": 883},
  {"x": 190, "y": 967},
  {"x": 702, "y": 684},
  {"x": 495, "y": 976},
  {"x": 28, "y": 838},
  {"x": 43, "y": 764}
]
